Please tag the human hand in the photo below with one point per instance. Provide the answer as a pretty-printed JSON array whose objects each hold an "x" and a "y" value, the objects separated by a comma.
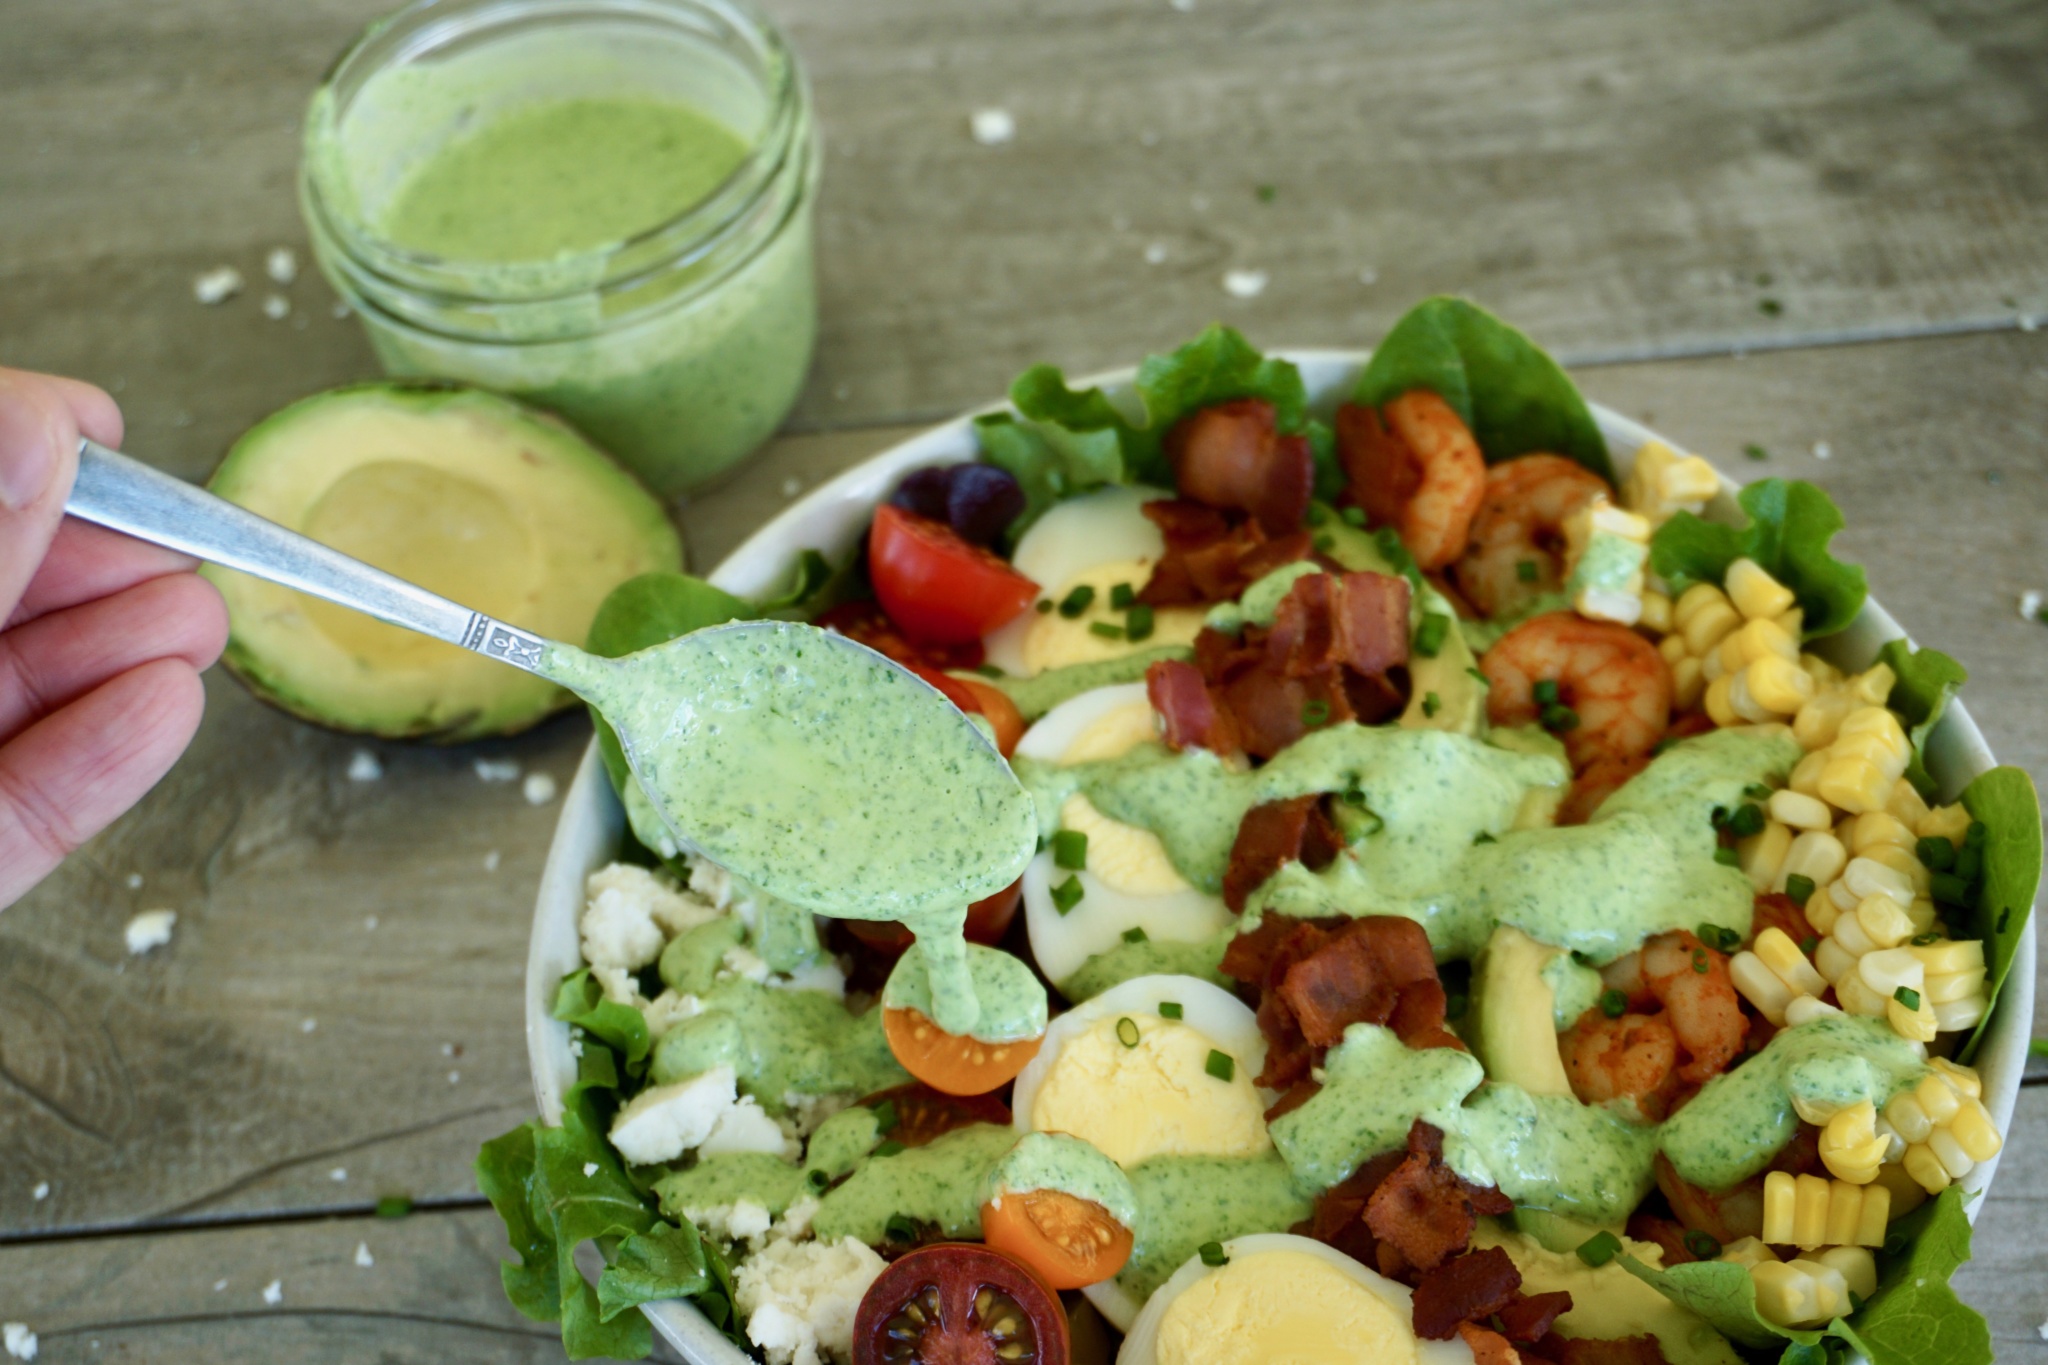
[{"x": 102, "y": 640}]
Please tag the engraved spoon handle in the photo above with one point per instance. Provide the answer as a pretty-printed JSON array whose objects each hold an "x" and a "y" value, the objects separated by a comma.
[{"x": 126, "y": 495}]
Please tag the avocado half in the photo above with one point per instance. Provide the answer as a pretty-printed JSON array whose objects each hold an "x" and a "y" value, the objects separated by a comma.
[{"x": 467, "y": 493}]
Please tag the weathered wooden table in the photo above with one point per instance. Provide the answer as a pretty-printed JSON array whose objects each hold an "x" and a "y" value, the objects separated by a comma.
[{"x": 1818, "y": 228}]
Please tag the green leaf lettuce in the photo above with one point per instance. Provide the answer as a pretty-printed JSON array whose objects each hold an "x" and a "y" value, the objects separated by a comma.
[
  {"x": 1790, "y": 525},
  {"x": 1926, "y": 679},
  {"x": 2005, "y": 800}
]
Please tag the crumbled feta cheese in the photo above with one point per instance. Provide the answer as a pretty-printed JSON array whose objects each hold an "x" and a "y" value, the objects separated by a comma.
[
  {"x": 42, "y": 1190},
  {"x": 806, "y": 1112},
  {"x": 2030, "y": 605},
  {"x": 538, "y": 789},
  {"x": 615, "y": 889},
  {"x": 150, "y": 929},
  {"x": 219, "y": 1285},
  {"x": 338, "y": 1174},
  {"x": 795, "y": 1223},
  {"x": 663, "y": 1122},
  {"x": 217, "y": 285},
  {"x": 2028, "y": 322},
  {"x": 497, "y": 769},
  {"x": 363, "y": 1256},
  {"x": 364, "y": 766},
  {"x": 369, "y": 921},
  {"x": 799, "y": 1298},
  {"x": 1155, "y": 253},
  {"x": 1244, "y": 284},
  {"x": 748, "y": 1221},
  {"x": 276, "y": 307},
  {"x": 589, "y": 1169},
  {"x": 618, "y": 929},
  {"x": 711, "y": 881},
  {"x": 993, "y": 127},
  {"x": 667, "y": 1010},
  {"x": 21, "y": 1343},
  {"x": 746, "y": 964},
  {"x": 282, "y": 264},
  {"x": 1183, "y": 6},
  {"x": 1368, "y": 275},
  {"x": 824, "y": 975},
  {"x": 746, "y": 1127},
  {"x": 455, "y": 1078},
  {"x": 273, "y": 1293}
]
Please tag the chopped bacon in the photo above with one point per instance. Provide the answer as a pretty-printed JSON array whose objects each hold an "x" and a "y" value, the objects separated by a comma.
[
  {"x": 866, "y": 622},
  {"x": 1338, "y": 1219},
  {"x": 1488, "y": 1347},
  {"x": 1232, "y": 455},
  {"x": 1298, "y": 1094},
  {"x": 1530, "y": 1317},
  {"x": 1464, "y": 1288},
  {"x": 1192, "y": 718},
  {"x": 1249, "y": 956},
  {"x": 1418, "y": 1017},
  {"x": 1272, "y": 711},
  {"x": 1340, "y": 984},
  {"x": 1208, "y": 559},
  {"x": 1359, "y": 620},
  {"x": 1422, "y": 1212},
  {"x": 1274, "y": 834}
]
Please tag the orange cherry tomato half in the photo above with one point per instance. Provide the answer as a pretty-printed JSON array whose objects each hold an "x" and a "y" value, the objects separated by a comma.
[
  {"x": 977, "y": 698},
  {"x": 952, "y": 1062},
  {"x": 988, "y": 920},
  {"x": 1071, "y": 1242},
  {"x": 938, "y": 587}
]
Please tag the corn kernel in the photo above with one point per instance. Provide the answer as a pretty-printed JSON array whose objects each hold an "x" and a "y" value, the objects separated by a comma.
[
  {"x": 1906, "y": 1193},
  {"x": 1926, "y": 1169},
  {"x": 1918, "y": 1025},
  {"x": 1906, "y": 805},
  {"x": 1760, "y": 855},
  {"x": 1816, "y": 854},
  {"x": 1709, "y": 626},
  {"x": 1853, "y": 784},
  {"x": 1662, "y": 482},
  {"x": 1656, "y": 612},
  {"x": 1810, "y": 1200},
  {"x": 1951, "y": 987},
  {"x": 1694, "y": 600},
  {"x": 1878, "y": 1200},
  {"x": 1779, "y": 953},
  {"x": 1950, "y": 956},
  {"x": 1748, "y": 1251},
  {"x": 1777, "y": 685},
  {"x": 1806, "y": 773},
  {"x": 1807, "y": 1008},
  {"x": 1754, "y": 592},
  {"x": 1781, "y": 1192},
  {"x": 1845, "y": 1212},
  {"x": 1797, "y": 1294},
  {"x": 1954, "y": 1016},
  {"x": 1866, "y": 877},
  {"x": 1761, "y": 986},
  {"x": 1921, "y": 913},
  {"x": 1858, "y": 998},
  {"x": 1974, "y": 1132},
  {"x": 1672, "y": 647},
  {"x": 1852, "y": 1150},
  {"x": 1945, "y": 822},
  {"x": 1856, "y": 1266},
  {"x": 1950, "y": 1153},
  {"x": 1800, "y": 811},
  {"x": 1687, "y": 683},
  {"x": 1887, "y": 970},
  {"x": 1758, "y": 640},
  {"x": 1879, "y": 827},
  {"x": 1902, "y": 861},
  {"x": 1793, "y": 622},
  {"x": 1962, "y": 1079},
  {"x": 1938, "y": 1099},
  {"x": 1719, "y": 701}
]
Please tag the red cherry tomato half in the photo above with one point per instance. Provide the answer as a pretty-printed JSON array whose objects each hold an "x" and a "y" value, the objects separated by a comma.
[
  {"x": 936, "y": 586},
  {"x": 987, "y": 921},
  {"x": 957, "y": 1303},
  {"x": 924, "y": 1114}
]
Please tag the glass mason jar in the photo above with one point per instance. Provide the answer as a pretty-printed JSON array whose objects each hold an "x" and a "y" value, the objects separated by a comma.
[{"x": 679, "y": 349}]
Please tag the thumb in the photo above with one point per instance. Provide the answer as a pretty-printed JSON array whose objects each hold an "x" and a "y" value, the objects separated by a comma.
[{"x": 40, "y": 420}]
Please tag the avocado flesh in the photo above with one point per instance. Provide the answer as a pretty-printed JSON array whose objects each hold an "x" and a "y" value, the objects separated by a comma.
[
  {"x": 1511, "y": 1027},
  {"x": 468, "y": 494}
]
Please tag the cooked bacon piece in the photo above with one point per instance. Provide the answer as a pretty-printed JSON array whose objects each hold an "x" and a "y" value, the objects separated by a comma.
[
  {"x": 1338, "y": 1219},
  {"x": 1421, "y": 1210},
  {"x": 1359, "y": 620},
  {"x": 1298, "y": 1094},
  {"x": 1272, "y": 835},
  {"x": 1530, "y": 1316},
  {"x": 1340, "y": 984},
  {"x": 1288, "y": 1055},
  {"x": 1488, "y": 1347},
  {"x": 1272, "y": 711},
  {"x": 1208, "y": 559},
  {"x": 1465, "y": 1288},
  {"x": 866, "y": 622},
  {"x": 1596, "y": 1351},
  {"x": 1182, "y": 699},
  {"x": 1418, "y": 1017},
  {"x": 1249, "y": 956},
  {"x": 1318, "y": 977},
  {"x": 1232, "y": 455}
]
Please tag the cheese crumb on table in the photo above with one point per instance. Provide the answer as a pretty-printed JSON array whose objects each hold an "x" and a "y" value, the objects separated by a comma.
[
  {"x": 273, "y": 1293},
  {"x": 282, "y": 264},
  {"x": 150, "y": 929},
  {"x": 217, "y": 285},
  {"x": 497, "y": 769},
  {"x": 364, "y": 766},
  {"x": 276, "y": 307},
  {"x": 538, "y": 789},
  {"x": 42, "y": 1190},
  {"x": 992, "y": 127},
  {"x": 1244, "y": 284},
  {"x": 363, "y": 1256},
  {"x": 21, "y": 1343}
]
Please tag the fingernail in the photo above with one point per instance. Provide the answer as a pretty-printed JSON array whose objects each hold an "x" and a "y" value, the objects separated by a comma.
[{"x": 28, "y": 454}]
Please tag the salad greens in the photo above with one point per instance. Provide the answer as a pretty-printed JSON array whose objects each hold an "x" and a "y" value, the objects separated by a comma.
[
  {"x": 1927, "y": 678},
  {"x": 1790, "y": 525},
  {"x": 2005, "y": 801},
  {"x": 1515, "y": 398}
]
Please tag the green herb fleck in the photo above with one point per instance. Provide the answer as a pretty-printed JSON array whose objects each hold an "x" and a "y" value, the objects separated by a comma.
[
  {"x": 885, "y": 1116},
  {"x": 1431, "y": 704},
  {"x": 1726, "y": 857},
  {"x": 1747, "y": 820},
  {"x": 1213, "y": 1255},
  {"x": 1559, "y": 719},
  {"x": 1429, "y": 636},
  {"x": 1127, "y": 1031},
  {"x": 1482, "y": 837},
  {"x": 1948, "y": 889},
  {"x": 1544, "y": 690},
  {"x": 1353, "y": 516},
  {"x": 1756, "y": 452},
  {"x": 1937, "y": 853},
  {"x": 1044, "y": 606},
  {"x": 1138, "y": 622},
  {"x": 1922, "y": 940},
  {"x": 1108, "y": 630},
  {"x": 1315, "y": 711},
  {"x": 1324, "y": 543},
  {"x": 1221, "y": 1065},
  {"x": 1170, "y": 1009},
  {"x": 1613, "y": 1003},
  {"x": 1136, "y": 934},
  {"x": 1703, "y": 1245},
  {"x": 890, "y": 1148},
  {"x": 1121, "y": 596},
  {"x": 1599, "y": 1249},
  {"x": 1067, "y": 895},
  {"x": 394, "y": 1206},
  {"x": 1799, "y": 887},
  {"x": 899, "y": 1229},
  {"x": 1070, "y": 850},
  {"x": 1770, "y": 308},
  {"x": 1526, "y": 570},
  {"x": 1908, "y": 997},
  {"x": 817, "y": 1180},
  {"x": 1077, "y": 601}
]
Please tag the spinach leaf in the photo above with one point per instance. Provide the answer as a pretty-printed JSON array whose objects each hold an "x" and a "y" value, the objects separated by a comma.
[
  {"x": 2004, "y": 799},
  {"x": 579, "y": 1001},
  {"x": 1790, "y": 525},
  {"x": 1927, "y": 678},
  {"x": 664, "y": 1262},
  {"x": 1515, "y": 398},
  {"x": 1914, "y": 1318},
  {"x": 1723, "y": 1294}
]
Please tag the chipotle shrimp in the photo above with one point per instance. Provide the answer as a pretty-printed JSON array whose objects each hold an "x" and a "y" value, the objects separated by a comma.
[
  {"x": 1415, "y": 466},
  {"x": 1518, "y": 550},
  {"x": 1612, "y": 682}
]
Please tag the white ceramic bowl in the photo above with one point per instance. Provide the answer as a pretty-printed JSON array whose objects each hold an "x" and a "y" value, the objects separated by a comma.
[{"x": 832, "y": 518}]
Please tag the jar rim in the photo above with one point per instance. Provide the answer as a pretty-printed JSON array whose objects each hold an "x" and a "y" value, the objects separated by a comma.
[{"x": 698, "y": 231}]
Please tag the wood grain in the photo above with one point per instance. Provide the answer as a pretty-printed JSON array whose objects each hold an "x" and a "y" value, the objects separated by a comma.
[{"x": 1617, "y": 177}]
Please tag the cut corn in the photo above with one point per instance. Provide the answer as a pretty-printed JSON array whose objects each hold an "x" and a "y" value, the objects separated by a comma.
[
  {"x": 1945, "y": 1124},
  {"x": 1754, "y": 592},
  {"x": 1803, "y": 1211},
  {"x": 1663, "y": 483},
  {"x": 1656, "y": 613},
  {"x": 1856, "y": 1265},
  {"x": 1944, "y": 822},
  {"x": 1851, "y": 1148},
  {"x": 1761, "y": 854},
  {"x": 1799, "y": 1293},
  {"x": 1605, "y": 551},
  {"x": 1773, "y": 973},
  {"x": 1748, "y": 1252},
  {"x": 1800, "y": 811}
]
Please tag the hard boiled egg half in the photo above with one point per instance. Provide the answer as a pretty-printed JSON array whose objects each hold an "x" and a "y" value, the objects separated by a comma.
[
  {"x": 1097, "y": 541},
  {"x": 1127, "y": 881},
  {"x": 1280, "y": 1297}
]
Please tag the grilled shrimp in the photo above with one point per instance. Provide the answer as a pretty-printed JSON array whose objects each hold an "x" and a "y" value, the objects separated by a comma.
[
  {"x": 1691, "y": 982},
  {"x": 1414, "y": 465},
  {"x": 1634, "y": 1057},
  {"x": 1611, "y": 678},
  {"x": 1517, "y": 551}
]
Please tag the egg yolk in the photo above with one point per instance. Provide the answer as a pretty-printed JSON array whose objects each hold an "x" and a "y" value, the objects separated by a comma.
[
  {"x": 1155, "y": 1096},
  {"x": 1282, "y": 1305}
]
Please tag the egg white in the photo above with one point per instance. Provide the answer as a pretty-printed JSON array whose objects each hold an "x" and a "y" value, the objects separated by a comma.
[
  {"x": 1073, "y": 537},
  {"x": 1141, "y": 1344},
  {"x": 1099, "y": 920}
]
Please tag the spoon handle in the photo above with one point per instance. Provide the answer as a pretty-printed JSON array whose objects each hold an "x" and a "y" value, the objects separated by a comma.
[{"x": 126, "y": 495}]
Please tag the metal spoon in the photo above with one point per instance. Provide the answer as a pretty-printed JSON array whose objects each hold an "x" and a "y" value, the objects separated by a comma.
[{"x": 678, "y": 709}]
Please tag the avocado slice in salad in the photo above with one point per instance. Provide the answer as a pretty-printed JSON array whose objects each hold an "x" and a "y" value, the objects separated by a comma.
[
  {"x": 491, "y": 503},
  {"x": 1510, "y": 1026}
]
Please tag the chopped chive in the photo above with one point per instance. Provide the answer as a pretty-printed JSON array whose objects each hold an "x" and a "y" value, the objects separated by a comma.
[
  {"x": 1353, "y": 797},
  {"x": 1613, "y": 1003},
  {"x": 1070, "y": 850},
  {"x": 1325, "y": 543},
  {"x": 1747, "y": 820},
  {"x": 1108, "y": 630},
  {"x": 1599, "y": 1249},
  {"x": 1212, "y": 1254},
  {"x": 1799, "y": 887},
  {"x": 1908, "y": 997},
  {"x": 988, "y": 670},
  {"x": 1077, "y": 601},
  {"x": 1756, "y": 452},
  {"x": 1484, "y": 681},
  {"x": 1976, "y": 835},
  {"x": 1431, "y": 704},
  {"x": 1922, "y": 940},
  {"x": 1353, "y": 516},
  {"x": 1715, "y": 936},
  {"x": 1456, "y": 1003},
  {"x": 1121, "y": 596},
  {"x": 1726, "y": 857},
  {"x": 394, "y": 1206},
  {"x": 817, "y": 1180},
  {"x": 1703, "y": 1245},
  {"x": 890, "y": 1148},
  {"x": 1170, "y": 1009},
  {"x": 1315, "y": 711},
  {"x": 1429, "y": 636},
  {"x": 1559, "y": 719},
  {"x": 1969, "y": 863},
  {"x": 1700, "y": 962},
  {"x": 885, "y": 1116},
  {"x": 1127, "y": 1031},
  {"x": 1044, "y": 605},
  {"x": 1221, "y": 1065},
  {"x": 1138, "y": 622},
  {"x": 1136, "y": 934},
  {"x": 1948, "y": 889},
  {"x": 899, "y": 1229},
  {"x": 1526, "y": 570},
  {"x": 2003, "y": 916},
  {"x": 1757, "y": 791},
  {"x": 1935, "y": 852},
  {"x": 1544, "y": 691},
  {"x": 1317, "y": 516},
  {"x": 1482, "y": 837},
  {"x": 1067, "y": 895},
  {"x": 1809, "y": 945}
]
